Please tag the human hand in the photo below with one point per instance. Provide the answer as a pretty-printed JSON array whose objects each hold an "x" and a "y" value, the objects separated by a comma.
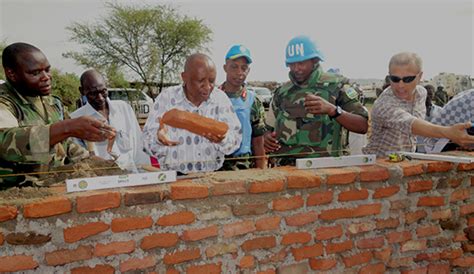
[
  {"x": 315, "y": 104},
  {"x": 90, "y": 129},
  {"x": 163, "y": 136},
  {"x": 215, "y": 138},
  {"x": 457, "y": 133},
  {"x": 270, "y": 143}
]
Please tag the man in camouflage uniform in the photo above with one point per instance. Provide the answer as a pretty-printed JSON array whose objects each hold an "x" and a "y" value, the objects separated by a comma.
[
  {"x": 33, "y": 134},
  {"x": 311, "y": 110},
  {"x": 249, "y": 110},
  {"x": 441, "y": 97}
]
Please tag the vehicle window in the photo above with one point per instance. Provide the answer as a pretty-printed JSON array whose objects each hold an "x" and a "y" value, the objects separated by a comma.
[
  {"x": 263, "y": 91},
  {"x": 118, "y": 95}
]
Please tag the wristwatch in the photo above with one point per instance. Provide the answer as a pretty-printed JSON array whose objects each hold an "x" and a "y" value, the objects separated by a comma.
[{"x": 337, "y": 114}]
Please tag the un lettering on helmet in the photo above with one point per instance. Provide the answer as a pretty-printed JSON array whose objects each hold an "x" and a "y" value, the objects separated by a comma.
[{"x": 296, "y": 49}]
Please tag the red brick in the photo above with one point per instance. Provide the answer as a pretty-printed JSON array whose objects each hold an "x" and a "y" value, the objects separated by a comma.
[
  {"x": 267, "y": 271},
  {"x": 295, "y": 238},
  {"x": 145, "y": 195},
  {"x": 1, "y": 238},
  {"x": 159, "y": 240},
  {"x": 177, "y": 218},
  {"x": 247, "y": 262},
  {"x": 301, "y": 219},
  {"x": 319, "y": 198},
  {"x": 322, "y": 264},
  {"x": 131, "y": 223},
  {"x": 259, "y": 243},
  {"x": 204, "y": 269},
  {"x": 275, "y": 257},
  {"x": 65, "y": 256},
  {"x": 398, "y": 237},
  {"x": 97, "y": 269},
  {"x": 336, "y": 213},
  {"x": 413, "y": 245},
  {"x": 451, "y": 254},
  {"x": 182, "y": 256},
  {"x": 220, "y": 249},
  {"x": 200, "y": 233},
  {"x": 373, "y": 269},
  {"x": 114, "y": 248},
  {"x": 357, "y": 259},
  {"x": 228, "y": 187},
  {"x": 238, "y": 228},
  {"x": 419, "y": 270},
  {"x": 400, "y": 262},
  {"x": 441, "y": 214},
  {"x": 370, "y": 242},
  {"x": 250, "y": 209},
  {"x": 460, "y": 195},
  {"x": 17, "y": 263},
  {"x": 461, "y": 237},
  {"x": 47, "y": 207},
  {"x": 411, "y": 217},
  {"x": 328, "y": 232},
  {"x": 305, "y": 252},
  {"x": 373, "y": 173},
  {"x": 466, "y": 209},
  {"x": 439, "y": 269},
  {"x": 339, "y": 176},
  {"x": 97, "y": 202},
  {"x": 368, "y": 209},
  {"x": 79, "y": 232},
  {"x": 290, "y": 203},
  {"x": 464, "y": 262},
  {"x": 470, "y": 221},
  {"x": 385, "y": 192},
  {"x": 268, "y": 223},
  {"x": 455, "y": 182},
  {"x": 428, "y": 230},
  {"x": 439, "y": 166},
  {"x": 353, "y": 195},
  {"x": 8, "y": 213},
  {"x": 465, "y": 167},
  {"x": 274, "y": 185},
  {"x": 419, "y": 186},
  {"x": 188, "y": 190},
  {"x": 303, "y": 179},
  {"x": 137, "y": 263},
  {"x": 400, "y": 205},
  {"x": 427, "y": 257},
  {"x": 430, "y": 201},
  {"x": 411, "y": 168},
  {"x": 332, "y": 248},
  {"x": 356, "y": 228},
  {"x": 384, "y": 254},
  {"x": 387, "y": 223},
  {"x": 171, "y": 271}
]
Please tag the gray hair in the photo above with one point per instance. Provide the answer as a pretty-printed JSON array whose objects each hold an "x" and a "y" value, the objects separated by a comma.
[{"x": 406, "y": 58}]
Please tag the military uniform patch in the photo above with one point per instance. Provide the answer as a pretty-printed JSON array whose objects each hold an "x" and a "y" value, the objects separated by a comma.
[{"x": 351, "y": 92}]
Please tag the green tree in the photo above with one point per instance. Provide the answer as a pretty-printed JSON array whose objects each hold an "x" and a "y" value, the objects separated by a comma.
[
  {"x": 152, "y": 42},
  {"x": 66, "y": 86}
]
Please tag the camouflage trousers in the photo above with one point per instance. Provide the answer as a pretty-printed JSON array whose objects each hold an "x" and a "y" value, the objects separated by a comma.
[{"x": 243, "y": 162}]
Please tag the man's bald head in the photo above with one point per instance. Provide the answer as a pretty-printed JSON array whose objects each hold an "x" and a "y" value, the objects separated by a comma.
[
  {"x": 90, "y": 74},
  {"x": 197, "y": 59},
  {"x": 93, "y": 86},
  {"x": 199, "y": 77}
]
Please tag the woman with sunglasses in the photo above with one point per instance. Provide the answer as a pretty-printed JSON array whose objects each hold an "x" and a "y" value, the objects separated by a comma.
[{"x": 398, "y": 114}]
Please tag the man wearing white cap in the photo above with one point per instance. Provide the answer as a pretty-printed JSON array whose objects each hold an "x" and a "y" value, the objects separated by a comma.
[{"x": 248, "y": 108}]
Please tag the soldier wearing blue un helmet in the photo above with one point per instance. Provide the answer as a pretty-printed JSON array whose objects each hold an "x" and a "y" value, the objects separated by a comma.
[{"x": 312, "y": 108}]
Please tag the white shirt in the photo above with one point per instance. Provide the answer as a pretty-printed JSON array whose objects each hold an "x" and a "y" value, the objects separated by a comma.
[
  {"x": 128, "y": 141},
  {"x": 194, "y": 153}
]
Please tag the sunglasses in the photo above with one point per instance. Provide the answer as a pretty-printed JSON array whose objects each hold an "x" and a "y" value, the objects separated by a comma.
[{"x": 406, "y": 79}]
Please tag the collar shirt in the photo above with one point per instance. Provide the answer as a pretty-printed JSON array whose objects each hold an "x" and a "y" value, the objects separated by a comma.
[
  {"x": 194, "y": 153},
  {"x": 128, "y": 145},
  {"x": 460, "y": 109},
  {"x": 391, "y": 121}
]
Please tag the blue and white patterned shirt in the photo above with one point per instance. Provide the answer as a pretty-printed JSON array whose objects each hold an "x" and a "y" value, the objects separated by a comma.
[{"x": 194, "y": 153}]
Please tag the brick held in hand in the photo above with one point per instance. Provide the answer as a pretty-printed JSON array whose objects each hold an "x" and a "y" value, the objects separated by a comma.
[{"x": 194, "y": 122}]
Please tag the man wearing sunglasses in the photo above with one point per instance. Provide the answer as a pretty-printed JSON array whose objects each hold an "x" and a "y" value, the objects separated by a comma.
[
  {"x": 127, "y": 150},
  {"x": 398, "y": 114}
]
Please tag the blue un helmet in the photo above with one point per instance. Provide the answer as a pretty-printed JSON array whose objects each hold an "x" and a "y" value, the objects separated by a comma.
[
  {"x": 301, "y": 48},
  {"x": 237, "y": 51}
]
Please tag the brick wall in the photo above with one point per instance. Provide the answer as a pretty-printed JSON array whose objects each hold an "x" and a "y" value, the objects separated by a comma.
[{"x": 407, "y": 217}]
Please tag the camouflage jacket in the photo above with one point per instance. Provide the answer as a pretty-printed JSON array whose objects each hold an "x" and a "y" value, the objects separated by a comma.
[
  {"x": 309, "y": 135},
  {"x": 25, "y": 148}
]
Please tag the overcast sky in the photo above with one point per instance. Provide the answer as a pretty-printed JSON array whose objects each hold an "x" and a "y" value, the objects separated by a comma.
[{"x": 359, "y": 37}]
